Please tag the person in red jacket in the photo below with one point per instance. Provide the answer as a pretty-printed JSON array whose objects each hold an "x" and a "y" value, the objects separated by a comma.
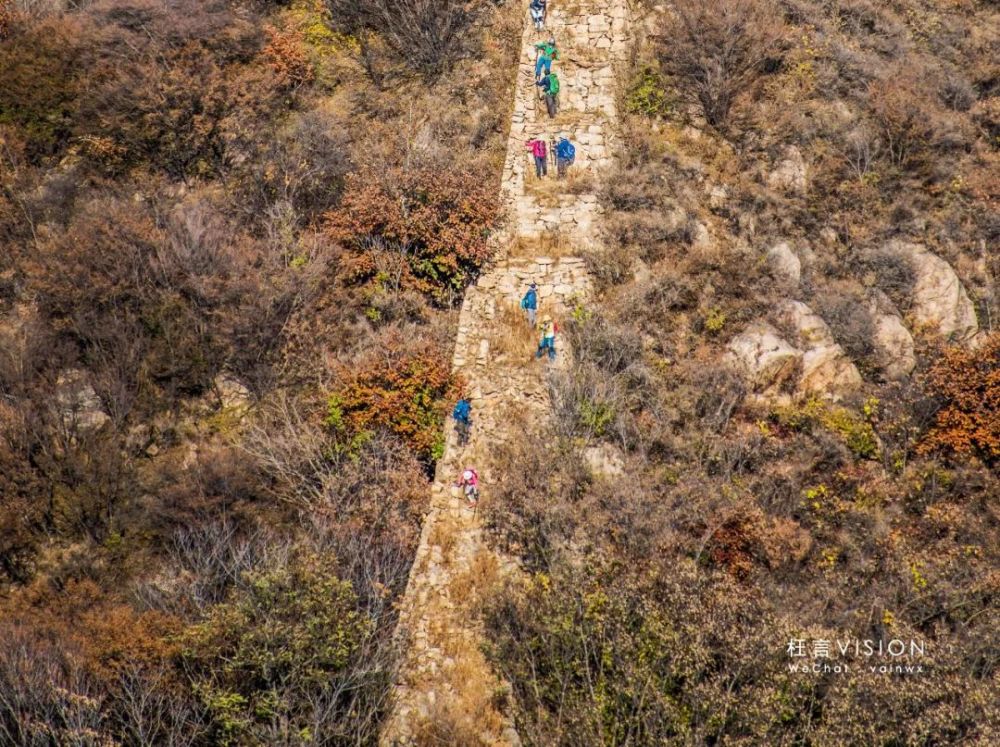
[
  {"x": 540, "y": 151},
  {"x": 468, "y": 481}
]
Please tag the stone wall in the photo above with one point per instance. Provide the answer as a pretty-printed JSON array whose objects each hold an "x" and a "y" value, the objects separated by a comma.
[{"x": 446, "y": 691}]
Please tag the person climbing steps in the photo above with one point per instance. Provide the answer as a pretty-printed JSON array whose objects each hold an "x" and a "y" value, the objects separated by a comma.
[
  {"x": 468, "y": 481},
  {"x": 550, "y": 89},
  {"x": 548, "y": 341},
  {"x": 538, "y": 11},
  {"x": 547, "y": 54},
  {"x": 539, "y": 150},
  {"x": 462, "y": 414},
  {"x": 565, "y": 155},
  {"x": 530, "y": 304}
]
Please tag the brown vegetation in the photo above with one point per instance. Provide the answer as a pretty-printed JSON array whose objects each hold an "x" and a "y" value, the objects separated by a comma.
[
  {"x": 662, "y": 594},
  {"x": 717, "y": 50},
  {"x": 194, "y": 550}
]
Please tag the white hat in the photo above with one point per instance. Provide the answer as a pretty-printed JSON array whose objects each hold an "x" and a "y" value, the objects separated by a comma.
[{"x": 467, "y": 475}]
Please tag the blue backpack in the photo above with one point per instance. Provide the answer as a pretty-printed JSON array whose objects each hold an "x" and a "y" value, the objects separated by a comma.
[
  {"x": 462, "y": 410},
  {"x": 565, "y": 150}
]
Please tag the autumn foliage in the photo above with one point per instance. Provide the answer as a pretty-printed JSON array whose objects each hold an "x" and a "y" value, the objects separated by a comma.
[
  {"x": 200, "y": 420},
  {"x": 426, "y": 228},
  {"x": 406, "y": 394},
  {"x": 967, "y": 382}
]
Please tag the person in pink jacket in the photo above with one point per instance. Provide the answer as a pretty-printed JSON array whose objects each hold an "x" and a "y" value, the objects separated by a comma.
[
  {"x": 469, "y": 482},
  {"x": 540, "y": 151}
]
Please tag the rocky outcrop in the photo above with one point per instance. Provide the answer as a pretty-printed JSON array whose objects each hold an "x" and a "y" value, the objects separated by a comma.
[
  {"x": 784, "y": 263},
  {"x": 894, "y": 349},
  {"x": 232, "y": 393},
  {"x": 940, "y": 302},
  {"x": 765, "y": 360},
  {"x": 810, "y": 362},
  {"x": 604, "y": 460},
  {"x": 790, "y": 174},
  {"x": 826, "y": 369},
  {"x": 78, "y": 402}
]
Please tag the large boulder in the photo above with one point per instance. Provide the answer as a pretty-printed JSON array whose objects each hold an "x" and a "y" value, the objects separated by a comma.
[
  {"x": 826, "y": 369},
  {"x": 604, "y": 460},
  {"x": 785, "y": 263},
  {"x": 790, "y": 173},
  {"x": 763, "y": 358},
  {"x": 78, "y": 402},
  {"x": 939, "y": 301},
  {"x": 232, "y": 393},
  {"x": 894, "y": 348}
]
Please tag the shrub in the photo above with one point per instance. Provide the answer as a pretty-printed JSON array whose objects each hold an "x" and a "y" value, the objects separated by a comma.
[
  {"x": 851, "y": 323},
  {"x": 39, "y": 79},
  {"x": 423, "y": 228},
  {"x": 967, "y": 385},
  {"x": 406, "y": 394},
  {"x": 855, "y": 430},
  {"x": 717, "y": 50},
  {"x": 595, "y": 659},
  {"x": 428, "y": 35},
  {"x": 647, "y": 94},
  {"x": 287, "y": 654}
]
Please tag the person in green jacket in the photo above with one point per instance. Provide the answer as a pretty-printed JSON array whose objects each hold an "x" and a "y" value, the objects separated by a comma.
[
  {"x": 550, "y": 89},
  {"x": 547, "y": 54}
]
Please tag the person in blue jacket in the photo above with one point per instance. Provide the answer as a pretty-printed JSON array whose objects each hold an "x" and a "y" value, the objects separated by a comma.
[
  {"x": 462, "y": 413},
  {"x": 537, "y": 8},
  {"x": 565, "y": 154},
  {"x": 530, "y": 304}
]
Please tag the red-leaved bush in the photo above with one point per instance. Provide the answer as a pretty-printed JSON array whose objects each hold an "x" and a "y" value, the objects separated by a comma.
[
  {"x": 426, "y": 229},
  {"x": 968, "y": 383}
]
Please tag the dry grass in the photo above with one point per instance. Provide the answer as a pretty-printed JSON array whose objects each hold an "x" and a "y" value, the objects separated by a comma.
[
  {"x": 552, "y": 192},
  {"x": 476, "y": 582},
  {"x": 550, "y": 244},
  {"x": 511, "y": 338},
  {"x": 444, "y": 534},
  {"x": 465, "y": 708}
]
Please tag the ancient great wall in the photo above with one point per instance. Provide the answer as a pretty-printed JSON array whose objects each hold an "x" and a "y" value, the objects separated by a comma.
[{"x": 446, "y": 691}]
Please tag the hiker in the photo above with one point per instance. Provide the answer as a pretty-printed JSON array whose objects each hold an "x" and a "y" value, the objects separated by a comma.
[
  {"x": 565, "y": 154},
  {"x": 548, "y": 48},
  {"x": 530, "y": 304},
  {"x": 547, "y": 54},
  {"x": 540, "y": 151},
  {"x": 537, "y": 8},
  {"x": 462, "y": 414},
  {"x": 548, "y": 342},
  {"x": 550, "y": 89},
  {"x": 469, "y": 482}
]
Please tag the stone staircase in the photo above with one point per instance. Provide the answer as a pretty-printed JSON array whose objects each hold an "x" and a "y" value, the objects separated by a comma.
[
  {"x": 592, "y": 38},
  {"x": 446, "y": 692}
]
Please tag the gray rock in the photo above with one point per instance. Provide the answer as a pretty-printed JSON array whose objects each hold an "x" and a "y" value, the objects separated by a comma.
[
  {"x": 604, "y": 460},
  {"x": 232, "y": 393},
  {"x": 940, "y": 301},
  {"x": 790, "y": 173},
  {"x": 78, "y": 401},
  {"x": 894, "y": 348},
  {"x": 826, "y": 369},
  {"x": 763, "y": 357},
  {"x": 785, "y": 263}
]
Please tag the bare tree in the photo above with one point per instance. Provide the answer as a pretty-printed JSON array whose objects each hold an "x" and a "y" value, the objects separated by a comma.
[
  {"x": 152, "y": 712},
  {"x": 426, "y": 34},
  {"x": 717, "y": 50},
  {"x": 44, "y": 698}
]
